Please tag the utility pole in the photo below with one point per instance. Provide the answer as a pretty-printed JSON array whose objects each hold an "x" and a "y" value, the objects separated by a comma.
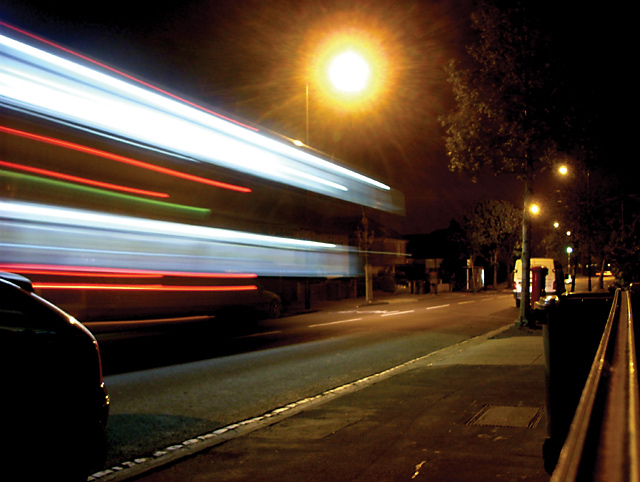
[
  {"x": 525, "y": 299},
  {"x": 365, "y": 240}
]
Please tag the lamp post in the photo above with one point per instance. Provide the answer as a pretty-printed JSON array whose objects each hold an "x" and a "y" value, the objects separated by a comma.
[
  {"x": 573, "y": 276},
  {"x": 349, "y": 73},
  {"x": 563, "y": 170},
  {"x": 346, "y": 76}
]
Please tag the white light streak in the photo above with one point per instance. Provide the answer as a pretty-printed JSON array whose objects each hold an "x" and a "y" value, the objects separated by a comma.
[
  {"x": 40, "y": 234},
  {"x": 41, "y": 82}
]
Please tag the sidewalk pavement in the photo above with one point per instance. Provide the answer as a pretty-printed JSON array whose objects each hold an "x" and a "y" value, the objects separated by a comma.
[{"x": 470, "y": 412}]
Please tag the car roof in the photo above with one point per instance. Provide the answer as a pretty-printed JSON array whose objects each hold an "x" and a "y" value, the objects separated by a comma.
[{"x": 16, "y": 279}]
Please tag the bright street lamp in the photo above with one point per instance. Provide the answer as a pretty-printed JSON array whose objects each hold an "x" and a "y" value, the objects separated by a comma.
[
  {"x": 350, "y": 69},
  {"x": 349, "y": 72},
  {"x": 345, "y": 76}
]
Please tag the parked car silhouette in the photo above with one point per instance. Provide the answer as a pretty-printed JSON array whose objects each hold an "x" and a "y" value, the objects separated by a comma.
[{"x": 54, "y": 403}]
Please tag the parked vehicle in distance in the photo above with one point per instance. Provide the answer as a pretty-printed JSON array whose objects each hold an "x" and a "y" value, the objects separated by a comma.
[
  {"x": 267, "y": 303},
  {"x": 554, "y": 279},
  {"x": 258, "y": 303},
  {"x": 54, "y": 403}
]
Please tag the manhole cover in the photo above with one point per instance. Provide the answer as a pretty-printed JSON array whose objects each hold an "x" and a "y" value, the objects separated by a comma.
[{"x": 503, "y": 416}]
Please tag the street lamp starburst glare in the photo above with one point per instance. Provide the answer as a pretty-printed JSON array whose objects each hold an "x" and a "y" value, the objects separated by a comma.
[{"x": 349, "y": 72}]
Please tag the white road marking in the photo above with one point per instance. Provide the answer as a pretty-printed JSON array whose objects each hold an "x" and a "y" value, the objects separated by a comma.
[
  {"x": 335, "y": 322},
  {"x": 393, "y": 313}
]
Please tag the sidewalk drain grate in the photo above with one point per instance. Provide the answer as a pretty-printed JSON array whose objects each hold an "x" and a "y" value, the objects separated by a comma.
[{"x": 504, "y": 416}]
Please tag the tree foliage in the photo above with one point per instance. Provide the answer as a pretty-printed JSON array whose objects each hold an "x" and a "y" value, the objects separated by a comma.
[
  {"x": 588, "y": 215},
  {"x": 501, "y": 117},
  {"x": 504, "y": 112},
  {"x": 624, "y": 250},
  {"x": 601, "y": 219},
  {"x": 493, "y": 228}
]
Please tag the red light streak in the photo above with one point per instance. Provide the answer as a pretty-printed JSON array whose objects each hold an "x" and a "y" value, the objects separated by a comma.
[
  {"x": 123, "y": 159},
  {"x": 50, "y": 269},
  {"x": 111, "y": 69},
  {"x": 76, "y": 273},
  {"x": 82, "y": 180},
  {"x": 133, "y": 287}
]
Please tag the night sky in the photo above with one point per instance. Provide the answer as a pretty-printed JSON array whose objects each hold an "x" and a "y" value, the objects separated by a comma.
[{"x": 251, "y": 57}]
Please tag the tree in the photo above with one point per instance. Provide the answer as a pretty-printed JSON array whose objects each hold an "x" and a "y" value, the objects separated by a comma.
[
  {"x": 587, "y": 214},
  {"x": 502, "y": 114},
  {"x": 493, "y": 227},
  {"x": 624, "y": 250},
  {"x": 598, "y": 212}
]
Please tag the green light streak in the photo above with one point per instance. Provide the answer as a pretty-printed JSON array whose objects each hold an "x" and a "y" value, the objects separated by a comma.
[{"x": 40, "y": 184}]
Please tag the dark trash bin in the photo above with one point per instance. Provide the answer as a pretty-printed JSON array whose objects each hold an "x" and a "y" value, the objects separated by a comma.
[{"x": 573, "y": 325}]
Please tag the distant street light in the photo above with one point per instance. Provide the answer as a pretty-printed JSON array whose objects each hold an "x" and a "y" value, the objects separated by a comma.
[
  {"x": 534, "y": 209},
  {"x": 564, "y": 171}
]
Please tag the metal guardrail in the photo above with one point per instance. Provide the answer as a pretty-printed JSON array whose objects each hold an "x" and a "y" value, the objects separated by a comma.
[{"x": 603, "y": 443}]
